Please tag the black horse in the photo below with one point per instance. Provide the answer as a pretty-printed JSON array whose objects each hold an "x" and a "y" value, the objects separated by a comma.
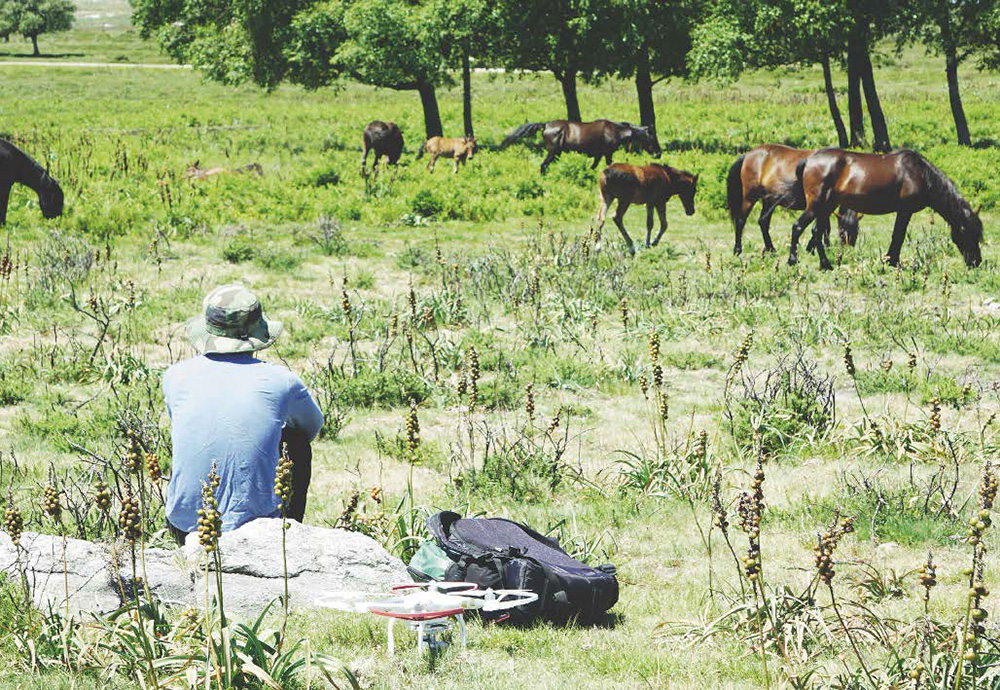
[
  {"x": 599, "y": 139},
  {"x": 17, "y": 166},
  {"x": 385, "y": 139}
]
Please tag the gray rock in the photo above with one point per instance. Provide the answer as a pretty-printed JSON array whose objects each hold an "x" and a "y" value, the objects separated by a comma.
[{"x": 320, "y": 560}]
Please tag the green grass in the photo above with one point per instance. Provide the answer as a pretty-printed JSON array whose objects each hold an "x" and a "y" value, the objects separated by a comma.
[{"x": 513, "y": 281}]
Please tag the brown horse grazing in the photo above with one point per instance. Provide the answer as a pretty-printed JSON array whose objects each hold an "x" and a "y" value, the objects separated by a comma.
[
  {"x": 17, "y": 166},
  {"x": 599, "y": 139},
  {"x": 196, "y": 173},
  {"x": 652, "y": 185},
  {"x": 384, "y": 139},
  {"x": 902, "y": 182},
  {"x": 459, "y": 150},
  {"x": 767, "y": 174}
]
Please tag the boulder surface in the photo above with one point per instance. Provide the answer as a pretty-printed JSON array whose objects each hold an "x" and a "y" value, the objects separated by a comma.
[{"x": 320, "y": 560}]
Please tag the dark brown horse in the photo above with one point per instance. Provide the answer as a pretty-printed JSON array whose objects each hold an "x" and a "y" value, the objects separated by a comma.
[
  {"x": 17, "y": 166},
  {"x": 651, "y": 185},
  {"x": 767, "y": 174},
  {"x": 902, "y": 182},
  {"x": 385, "y": 139},
  {"x": 598, "y": 139}
]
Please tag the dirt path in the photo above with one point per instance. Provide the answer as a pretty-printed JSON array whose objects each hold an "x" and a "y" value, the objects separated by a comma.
[{"x": 115, "y": 65}]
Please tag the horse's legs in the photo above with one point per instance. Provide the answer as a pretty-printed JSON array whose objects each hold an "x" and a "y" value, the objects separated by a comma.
[
  {"x": 454, "y": 165},
  {"x": 661, "y": 211},
  {"x": 765, "y": 223},
  {"x": 364, "y": 160},
  {"x": 800, "y": 224},
  {"x": 430, "y": 163},
  {"x": 821, "y": 230},
  {"x": 623, "y": 205},
  {"x": 898, "y": 235},
  {"x": 649, "y": 225},
  {"x": 607, "y": 158},
  {"x": 549, "y": 157},
  {"x": 4, "y": 198},
  {"x": 594, "y": 165}
]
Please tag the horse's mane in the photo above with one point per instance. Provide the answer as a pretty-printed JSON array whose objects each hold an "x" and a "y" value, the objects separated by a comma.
[
  {"x": 945, "y": 195},
  {"x": 17, "y": 155}
]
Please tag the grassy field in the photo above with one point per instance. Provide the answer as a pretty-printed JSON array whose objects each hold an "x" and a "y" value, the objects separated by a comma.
[{"x": 498, "y": 259}]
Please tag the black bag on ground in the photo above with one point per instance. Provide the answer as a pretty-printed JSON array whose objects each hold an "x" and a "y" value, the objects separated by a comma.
[{"x": 501, "y": 554}]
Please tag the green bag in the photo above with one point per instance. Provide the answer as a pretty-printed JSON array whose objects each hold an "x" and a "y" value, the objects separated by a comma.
[{"x": 429, "y": 563}]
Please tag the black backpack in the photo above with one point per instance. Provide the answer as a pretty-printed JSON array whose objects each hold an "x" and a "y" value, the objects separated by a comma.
[{"x": 501, "y": 554}]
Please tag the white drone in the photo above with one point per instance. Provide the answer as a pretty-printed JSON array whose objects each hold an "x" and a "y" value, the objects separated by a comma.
[{"x": 428, "y": 608}]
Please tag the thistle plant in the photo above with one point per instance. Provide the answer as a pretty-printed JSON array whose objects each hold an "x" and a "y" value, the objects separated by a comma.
[
  {"x": 153, "y": 470},
  {"x": 935, "y": 418},
  {"x": 720, "y": 519},
  {"x": 975, "y": 614},
  {"x": 741, "y": 356},
  {"x": 209, "y": 531},
  {"x": 623, "y": 308},
  {"x": 852, "y": 372},
  {"x": 927, "y": 574},
  {"x": 529, "y": 405},
  {"x": 52, "y": 508},
  {"x": 13, "y": 525}
]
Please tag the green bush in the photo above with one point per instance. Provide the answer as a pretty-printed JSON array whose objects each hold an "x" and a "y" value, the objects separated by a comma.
[
  {"x": 426, "y": 203},
  {"x": 240, "y": 249}
]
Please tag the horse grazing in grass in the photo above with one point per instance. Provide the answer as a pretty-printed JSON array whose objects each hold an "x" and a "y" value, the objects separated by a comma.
[
  {"x": 459, "y": 150},
  {"x": 652, "y": 185},
  {"x": 767, "y": 174},
  {"x": 17, "y": 166},
  {"x": 196, "y": 173},
  {"x": 902, "y": 182},
  {"x": 384, "y": 139},
  {"x": 598, "y": 139}
]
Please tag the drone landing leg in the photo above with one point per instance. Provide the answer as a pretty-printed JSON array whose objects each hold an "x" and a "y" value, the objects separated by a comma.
[
  {"x": 392, "y": 641},
  {"x": 461, "y": 629},
  {"x": 420, "y": 638}
]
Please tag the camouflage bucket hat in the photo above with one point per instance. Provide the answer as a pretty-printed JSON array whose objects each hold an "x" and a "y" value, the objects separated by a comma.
[{"x": 233, "y": 322}]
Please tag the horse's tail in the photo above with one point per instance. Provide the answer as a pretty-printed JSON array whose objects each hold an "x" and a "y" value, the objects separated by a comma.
[
  {"x": 734, "y": 189},
  {"x": 798, "y": 190},
  {"x": 420, "y": 150},
  {"x": 522, "y": 131}
]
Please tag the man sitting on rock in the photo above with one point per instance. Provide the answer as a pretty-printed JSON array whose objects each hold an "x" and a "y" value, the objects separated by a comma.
[{"x": 228, "y": 407}]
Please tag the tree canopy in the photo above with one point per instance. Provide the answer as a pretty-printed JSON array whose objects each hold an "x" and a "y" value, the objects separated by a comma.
[{"x": 32, "y": 18}]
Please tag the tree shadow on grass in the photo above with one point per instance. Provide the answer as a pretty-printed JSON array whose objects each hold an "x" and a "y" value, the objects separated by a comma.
[{"x": 43, "y": 56}]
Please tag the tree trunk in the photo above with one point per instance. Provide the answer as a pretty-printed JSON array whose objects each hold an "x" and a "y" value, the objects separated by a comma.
[
  {"x": 831, "y": 99},
  {"x": 568, "y": 81},
  {"x": 957, "y": 110},
  {"x": 880, "y": 131},
  {"x": 855, "y": 111},
  {"x": 467, "y": 95},
  {"x": 34, "y": 46},
  {"x": 644, "y": 90},
  {"x": 432, "y": 117}
]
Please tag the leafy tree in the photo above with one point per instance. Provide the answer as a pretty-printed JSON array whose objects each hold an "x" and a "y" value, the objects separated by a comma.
[
  {"x": 955, "y": 30},
  {"x": 465, "y": 30},
  {"x": 652, "y": 45},
  {"x": 736, "y": 35},
  {"x": 32, "y": 18},
  {"x": 385, "y": 43},
  {"x": 565, "y": 37}
]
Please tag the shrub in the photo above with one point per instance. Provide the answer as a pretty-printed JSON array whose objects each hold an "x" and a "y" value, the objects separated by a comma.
[
  {"x": 240, "y": 249},
  {"x": 426, "y": 203}
]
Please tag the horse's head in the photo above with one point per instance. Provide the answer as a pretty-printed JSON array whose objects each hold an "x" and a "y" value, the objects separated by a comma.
[
  {"x": 967, "y": 235},
  {"x": 686, "y": 189},
  {"x": 470, "y": 145},
  {"x": 50, "y": 197},
  {"x": 646, "y": 137}
]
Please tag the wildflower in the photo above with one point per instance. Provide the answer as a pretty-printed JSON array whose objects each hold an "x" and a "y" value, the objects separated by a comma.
[
  {"x": 827, "y": 544},
  {"x": 708, "y": 262},
  {"x": 720, "y": 517},
  {"x": 345, "y": 301},
  {"x": 554, "y": 424},
  {"x": 529, "y": 401},
  {"x": 375, "y": 493},
  {"x": 283, "y": 479},
  {"x": 133, "y": 453},
  {"x": 412, "y": 298},
  {"x": 644, "y": 385},
  {"x": 657, "y": 375},
  {"x": 911, "y": 361},
  {"x": 473, "y": 358},
  {"x": 935, "y": 420},
  {"x": 849, "y": 360},
  {"x": 412, "y": 431},
  {"x": 50, "y": 503},
  {"x": 743, "y": 351},
  {"x": 928, "y": 576},
  {"x": 701, "y": 446},
  {"x": 654, "y": 346},
  {"x": 129, "y": 520},
  {"x": 209, "y": 518},
  {"x": 623, "y": 307},
  {"x": 102, "y": 496},
  {"x": 153, "y": 468},
  {"x": 13, "y": 524}
]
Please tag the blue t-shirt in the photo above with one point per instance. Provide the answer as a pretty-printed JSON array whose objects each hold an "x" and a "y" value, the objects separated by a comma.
[{"x": 231, "y": 409}]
